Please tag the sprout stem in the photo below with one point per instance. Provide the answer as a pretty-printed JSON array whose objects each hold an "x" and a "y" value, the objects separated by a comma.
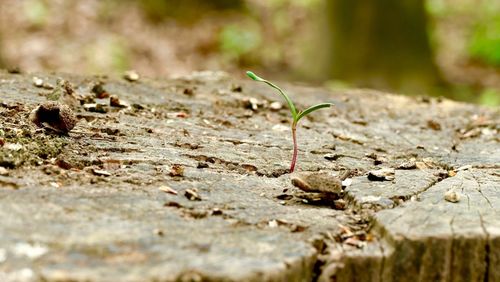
[{"x": 295, "y": 148}]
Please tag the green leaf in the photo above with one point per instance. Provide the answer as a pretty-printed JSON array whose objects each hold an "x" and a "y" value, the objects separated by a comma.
[
  {"x": 254, "y": 76},
  {"x": 312, "y": 109},
  {"x": 288, "y": 100}
]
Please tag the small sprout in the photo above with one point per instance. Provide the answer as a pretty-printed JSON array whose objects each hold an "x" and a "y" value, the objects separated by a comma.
[{"x": 296, "y": 115}]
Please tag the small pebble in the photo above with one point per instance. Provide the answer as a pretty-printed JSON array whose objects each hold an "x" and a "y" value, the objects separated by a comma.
[
  {"x": 217, "y": 211},
  {"x": 3, "y": 171},
  {"x": 319, "y": 182},
  {"x": 38, "y": 82},
  {"x": 452, "y": 196},
  {"x": 99, "y": 91},
  {"x": 167, "y": 189},
  {"x": 96, "y": 108},
  {"x": 408, "y": 165},
  {"x": 332, "y": 156},
  {"x": 384, "y": 174},
  {"x": 251, "y": 103},
  {"x": 273, "y": 223},
  {"x": 114, "y": 101},
  {"x": 276, "y": 106},
  {"x": 236, "y": 88},
  {"x": 101, "y": 172},
  {"x": 192, "y": 194},
  {"x": 340, "y": 204},
  {"x": 188, "y": 91},
  {"x": 176, "y": 170},
  {"x": 131, "y": 75}
]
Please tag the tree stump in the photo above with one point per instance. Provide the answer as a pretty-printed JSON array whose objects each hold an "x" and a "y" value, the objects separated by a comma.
[{"x": 187, "y": 180}]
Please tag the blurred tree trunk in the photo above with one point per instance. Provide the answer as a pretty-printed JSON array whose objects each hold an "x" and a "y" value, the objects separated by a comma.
[{"x": 381, "y": 44}]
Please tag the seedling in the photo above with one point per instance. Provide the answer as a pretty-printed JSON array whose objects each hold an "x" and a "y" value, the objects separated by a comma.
[{"x": 296, "y": 115}]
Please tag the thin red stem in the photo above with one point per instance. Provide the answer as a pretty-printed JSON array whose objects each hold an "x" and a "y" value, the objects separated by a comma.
[{"x": 295, "y": 149}]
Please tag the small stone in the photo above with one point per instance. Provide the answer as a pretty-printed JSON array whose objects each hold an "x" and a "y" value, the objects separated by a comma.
[
  {"x": 202, "y": 165},
  {"x": 434, "y": 125},
  {"x": 114, "y": 101},
  {"x": 55, "y": 116},
  {"x": 99, "y": 91},
  {"x": 285, "y": 197},
  {"x": 384, "y": 174},
  {"x": 188, "y": 91},
  {"x": 452, "y": 196},
  {"x": 38, "y": 82},
  {"x": 340, "y": 204},
  {"x": 177, "y": 115},
  {"x": 131, "y": 75},
  {"x": 318, "y": 182},
  {"x": 407, "y": 165},
  {"x": 176, "y": 170},
  {"x": 3, "y": 171},
  {"x": 353, "y": 241},
  {"x": 217, "y": 211},
  {"x": 251, "y": 103},
  {"x": 158, "y": 232},
  {"x": 100, "y": 172},
  {"x": 96, "y": 108},
  {"x": 167, "y": 189},
  {"x": 136, "y": 106},
  {"x": 273, "y": 223},
  {"x": 192, "y": 194},
  {"x": 48, "y": 86},
  {"x": 276, "y": 106},
  {"x": 236, "y": 88},
  {"x": 376, "y": 158},
  {"x": 332, "y": 157}
]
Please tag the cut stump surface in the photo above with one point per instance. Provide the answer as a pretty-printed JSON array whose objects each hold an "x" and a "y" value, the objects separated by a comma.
[{"x": 186, "y": 180}]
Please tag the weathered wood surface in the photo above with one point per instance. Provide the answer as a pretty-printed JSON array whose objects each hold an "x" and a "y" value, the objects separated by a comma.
[{"x": 88, "y": 206}]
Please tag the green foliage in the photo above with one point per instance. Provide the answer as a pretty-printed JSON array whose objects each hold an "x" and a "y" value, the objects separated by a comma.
[
  {"x": 37, "y": 12},
  {"x": 236, "y": 41},
  {"x": 485, "y": 41},
  {"x": 490, "y": 97}
]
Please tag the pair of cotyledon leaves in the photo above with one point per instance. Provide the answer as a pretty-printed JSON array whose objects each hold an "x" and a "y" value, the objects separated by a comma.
[{"x": 295, "y": 114}]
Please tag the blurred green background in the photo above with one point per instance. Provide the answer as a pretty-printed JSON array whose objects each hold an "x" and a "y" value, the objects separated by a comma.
[{"x": 445, "y": 48}]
